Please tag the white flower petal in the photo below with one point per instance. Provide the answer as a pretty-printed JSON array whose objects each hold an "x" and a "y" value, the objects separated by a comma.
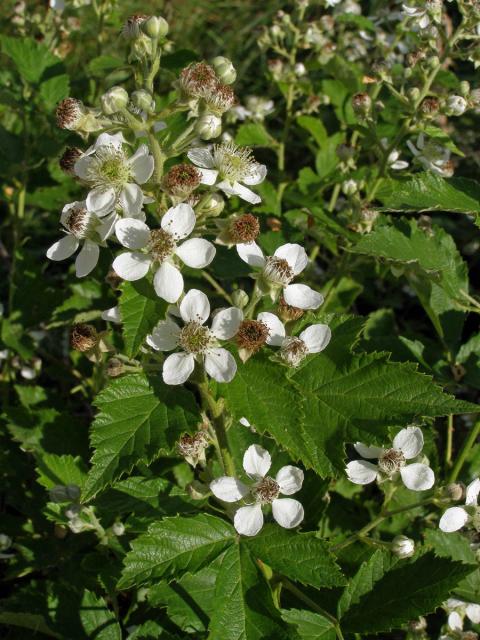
[
  {"x": 368, "y": 452},
  {"x": 453, "y": 519},
  {"x": 132, "y": 233},
  {"x": 302, "y": 297},
  {"x": 316, "y": 337},
  {"x": 473, "y": 613},
  {"x": 108, "y": 140},
  {"x": 81, "y": 166},
  {"x": 256, "y": 461},
  {"x": 287, "y": 512},
  {"x": 237, "y": 189},
  {"x": 141, "y": 165},
  {"x": 289, "y": 479},
  {"x": 101, "y": 200},
  {"x": 196, "y": 252},
  {"x": 399, "y": 165},
  {"x": 226, "y": 322},
  {"x": 275, "y": 326},
  {"x": 201, "y": 157},
  {"x": 112, "y": 315},
  {"x": 295, "y": 255},
  {"x": 248, "y": 520},
  {"x": 209, "y": 176},
  {"x": 63, "y": 248},
  {"x": 409, "y": 441},
  {"x": 168, "y": 282},
  {"x": 473, "y": 489},
  {"x": 107, "y": 226},
  {"x": 455, "y": 621},
  {"x": 177, "y": 368},
  {"x": 131, "y": 199},
  {"x": 257, "y": 175},
  {"x": 228, "y": 489},
  {"x": 179, "y": 221},
  {"x": 220, "y": 365},
  {"x": 195, "y": 307},
  {"x": 417, "y": 476},
  {"x": 361, "y": 472},
  {"x": 87, "y": 259},
  {"x": 164, "y": 336},
  {"x": 251, "y": 253},
  {"x": 131, "y": 266}
]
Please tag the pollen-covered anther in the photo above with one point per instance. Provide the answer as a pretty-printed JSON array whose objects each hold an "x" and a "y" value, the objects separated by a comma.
[
  {"x": 287, "y": 312},
  {"x": 69, "y": 113},
  {"x": 191, "y": 446},
  {"x": 161, "y": 244},
  {"x": 182, "y": 179},
  {"x": 109, "y": 166},
  {"x": 69, "y": 158},
  {"x": 252, "y": 335},
  {"x": 195, "y": 338},
  {"x": 237, "y": 163},
  {"x": 391, "y": 461},
  {"x": 278, "y": 271},
  {"x": 198, "y": 79},
  {"x": 78, "y": 221},
  {"x": 246, "y": 228},
  {"x": 83, "y": 337},
  {"x": 220, "y": 99},
  {"x": 266, "y": 491},
  {"x": 293, "y": 350}
]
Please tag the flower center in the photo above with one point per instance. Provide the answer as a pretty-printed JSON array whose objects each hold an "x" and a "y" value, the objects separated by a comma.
[
  {"x": 195, "y": 338},
  {"x": 79, "y": 222},
  {"x": 391, "y": 461},
  {"x": 234, "y": 163},
  {"x": 109, "y": 167},
  {"x": 198, "y": 79},
  {"x": 252, "y": 334},
  {"x": 266, "y": 491},
  {"x": 287, "y": 312},
  {"x": 278, "y": 271},
  {"x": 161, "y": 245},
  {"x": 221, "y": 99},
  {"x": 182, "y": 179},
  {"x": 83, "y": 337},
  {"x": 69, "y": 112},
  {"x": 293, "y": 350},
  {"x": 192, "y": 445},
  {"x": 245, "y": 229}
]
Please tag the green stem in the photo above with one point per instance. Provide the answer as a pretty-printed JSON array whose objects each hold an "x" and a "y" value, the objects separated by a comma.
[
  {"x": 462, "y": 456},
  {"x": 217, "y": 286},
  {"x": 313, "y": 605},
  {"x": 449, "y": 445},
  {"x": 217, "y": 415},
  {"x": 256, "y": 296},
  {"x": 158, "y": 158}
]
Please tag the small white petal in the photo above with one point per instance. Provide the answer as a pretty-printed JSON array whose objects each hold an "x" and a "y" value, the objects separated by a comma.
[
  {"x": 101, "y": 200},
  {"x": 87, "y": 259},
  {"x": 244, "y": 422},
  {"x": 131, "y": 266},
  {"x": 251, "y": 253},
  {"x": 295, "y": 255},
  {"x": 368, "y": 452},
  {"x": 256, "y": 461},
  {"x": 226, "y": 322},
  {"x": 179, "y": 221},
  {"x": 399, "y": 165},
  {"x": 220, "y": 365},
  {"x": 112, "y": 315},
  {"x": 302, "y": 297},
  {"x": 63, "y": 248},
  {"x": 228, "y": 489},
  {"x": 361, "y": 472},
  {"x": 168, "y": 282},
  {"x": 177, "y": 368},
  {"x": 473, "y": 613},
  {"x": 131, "y": 199},
  {"x": 196, "y": 252},
  {"x": 453, "y": 519},
  {"x": 142, "y": 166},
  {"x": 208, "y": 175},
  {"x": 82, "y": 165},
  {"x": 275, "y": 326},
  {"x": 132, "y": 233},
  {"x": 455, "y": 621},
  {"x": 195, "y": 307},
  {"x": 417, "y": 476},
  {"x": 107, "y": 226},
  {"x": 248, "y": 520},
  {"x": 201, "y": 157},
  {"x": 237, "y": 189},
  {"x": 316, "y": 337},
  {"x": 257, "y": 175},
  {"x": 473, "y": 489},
  {"x": 287, "y": 512},
  {"x": 409, "y": 441},
  {"x": 108, "y": 140},
  {"x": 289, "y": 479},
  {"x": 164, "y": 336}
]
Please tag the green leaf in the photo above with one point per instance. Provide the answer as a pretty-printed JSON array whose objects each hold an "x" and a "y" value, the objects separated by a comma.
[
  {"x": 53, "y": 90},
  {"x": 429, "y": 192},
  {"x": 315, "y": 127},
  {"x": 30, "y": 57},
  {"x": 102, "y": 65},
  {"x": 405, "y": 593},
  {"x": 139, "y": 419},
  {"x": 300, "y": 556},
  {"x": 253, "y": 134},
  {"x": 309, "y": 625},
  {"x": 140, "y": 310},
  {"x": 97, "y": 619},
  {"x": 173, "y": 546},
  {"x": 244, "y": 609},
  {"x": 56, "y": 470}
]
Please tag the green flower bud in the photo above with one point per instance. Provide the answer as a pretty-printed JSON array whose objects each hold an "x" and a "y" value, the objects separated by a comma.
[
  {"x": 213, "y": 206},
  {"x": 114, "y": 100},
  {"x": 118, "y": 528},
  {"x": 240, "y": 298},
  {"x": 403, "y": 547},
  {"x": 208, "y": 126},
  {"x": 464, "y": 88},
  {"x": 155, "y": 27},
  {"x": 224, "y": 69},
  {"x": 361, "y": 103},
  {"x": 143, "y": 100}
]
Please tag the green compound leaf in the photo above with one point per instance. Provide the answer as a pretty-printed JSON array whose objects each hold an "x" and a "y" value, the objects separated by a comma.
[
  {"x": 300, "y": 556},
  {"x": 309, "y": 625},
  {"x": 140, "y": 310},
  {"x": 174, "y": 546},
  {"x": 140, "y": 418},
  {"x": 404, "y": 593},
  {"x": 31, "y": 58}
]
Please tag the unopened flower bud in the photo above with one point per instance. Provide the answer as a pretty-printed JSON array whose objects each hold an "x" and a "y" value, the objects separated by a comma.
[
  {"x": 240, "y": 298},
  {"x": 132, "y": 27},
  {"x": 475, "y": 97},
  {"x": 5, "y": 542},
  {"x": 300, "y": 70},
  {"x": 413, "y": 94},
  {"x": 197, "y": 490},
  {"x": 361, "y": 103},
  {"x": 433, "y": 62},
  {"x": 455, "y": 491},
  {"x": 72, "y": 511},
  {"x": 213, "y": 205},
  {"x": 77, "y": 525},
  {"x": 83, "y": 337},
  {"x": 115, "y": 368},
  {"x": 143, "y": 100},
  {"x": 68, "y": 160},
  {"x": 208, "y": 126},
  {"x": 118, "y": 528},
  {"x": 155, "y": 27},
  {"x": 349, "y": 187},
  {"x": 224, "y": 69},
  {"x": 403, "y": 547},
  {"x": 464, "y": 88},
  {"x": 114, "y": 100},
  {"x": 456, "y": 105}
]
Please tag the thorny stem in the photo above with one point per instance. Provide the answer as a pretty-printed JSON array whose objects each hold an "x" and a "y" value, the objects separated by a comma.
[{"x": 462, "y": 456}]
